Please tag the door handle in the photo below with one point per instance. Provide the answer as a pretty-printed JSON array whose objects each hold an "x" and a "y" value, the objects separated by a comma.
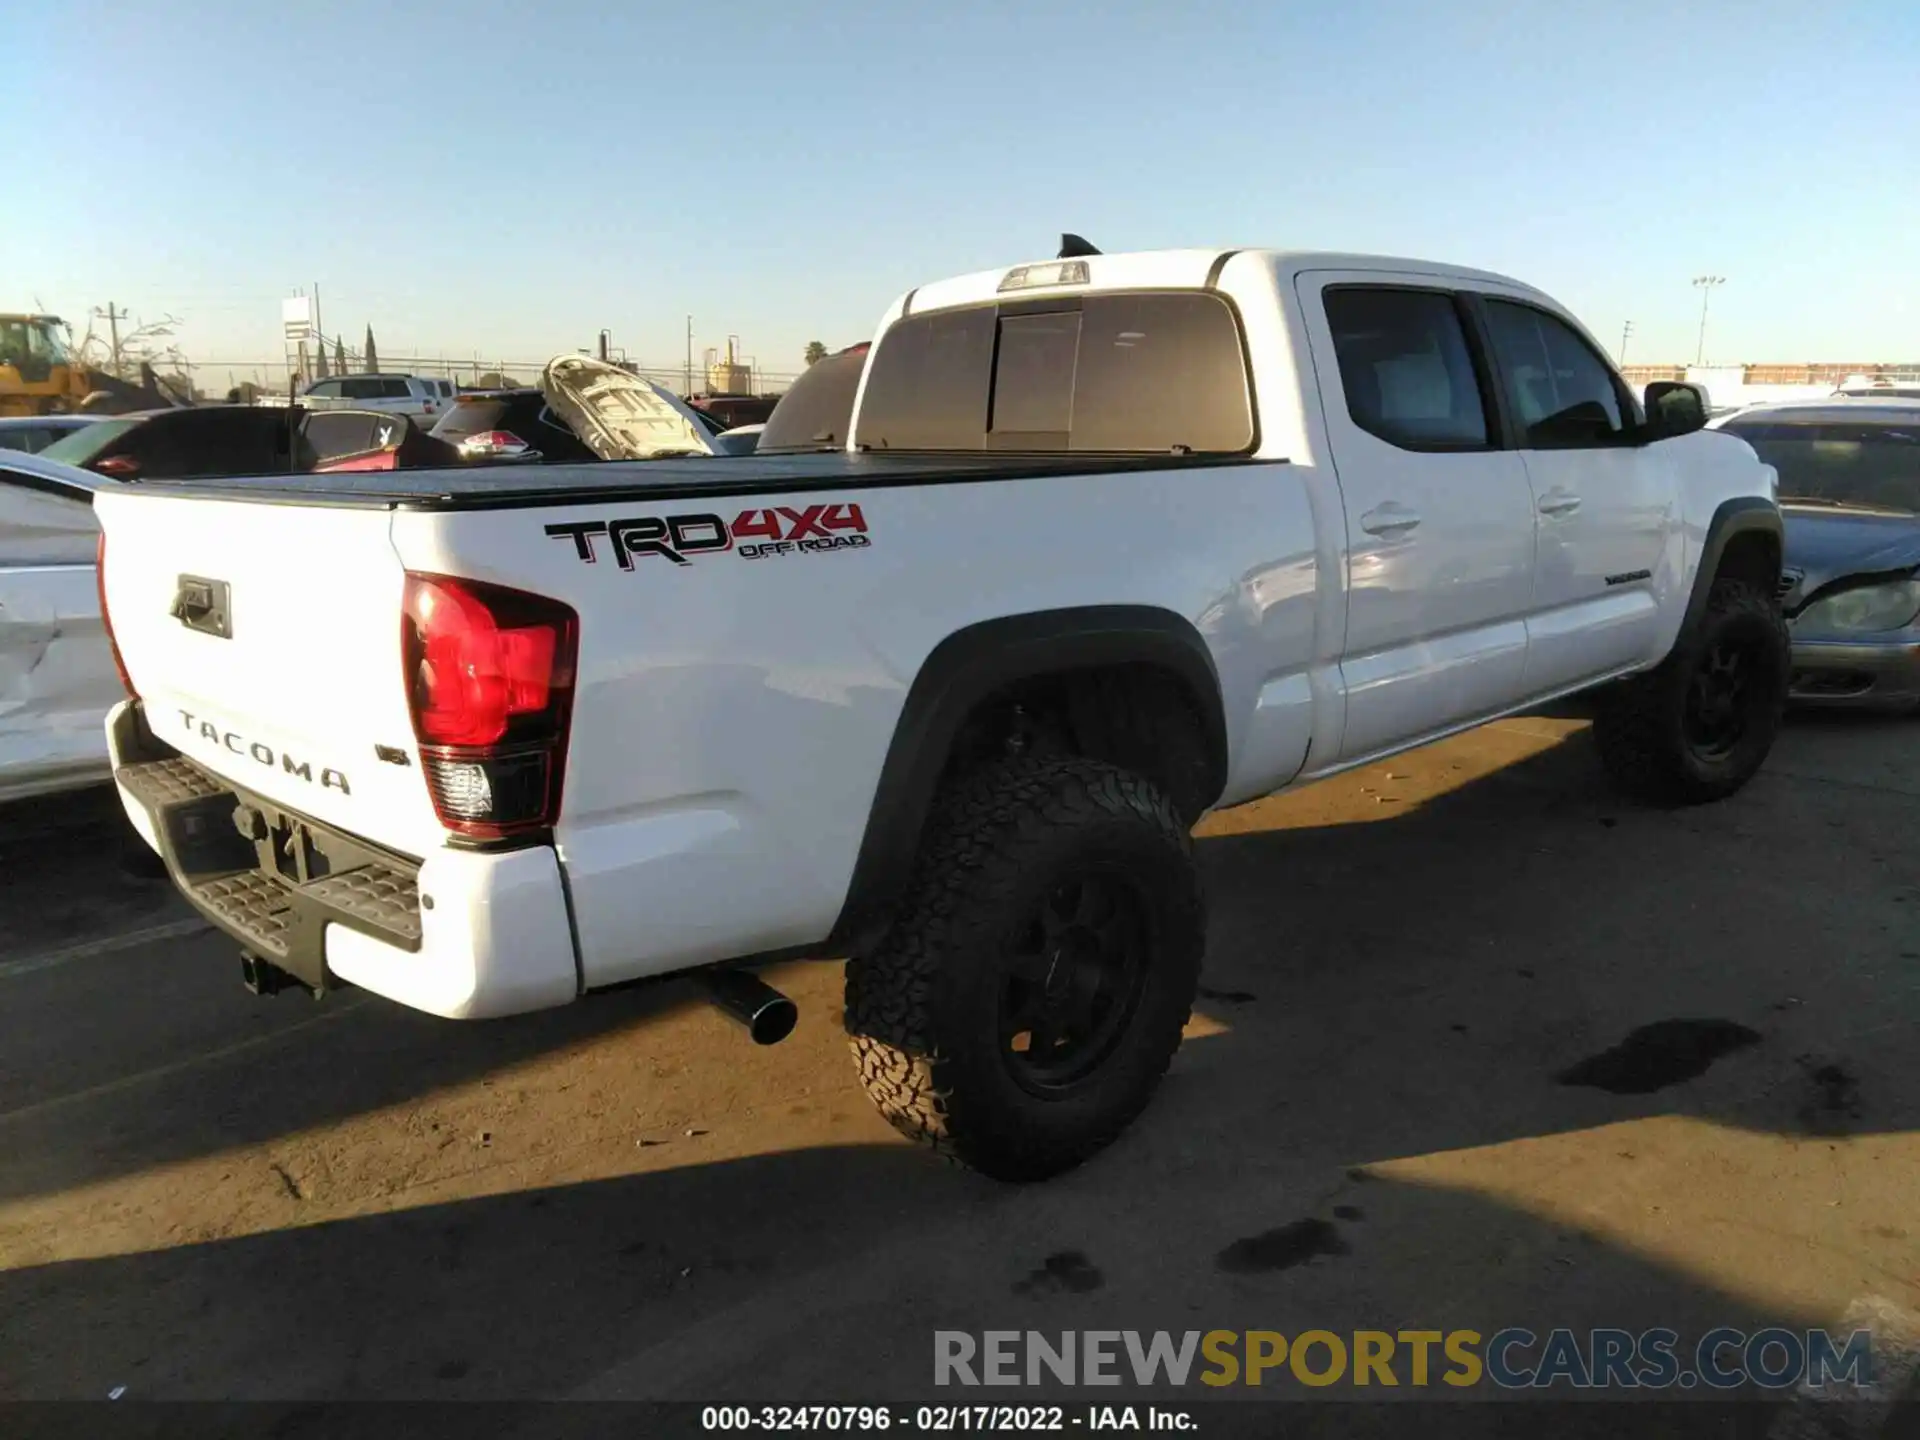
[
  {"x": 1389, "y": 519},
  {"x": 1559, "y": 502}
]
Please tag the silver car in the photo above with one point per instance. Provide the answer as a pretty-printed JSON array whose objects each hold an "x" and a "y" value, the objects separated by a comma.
[
  {"x": 421, "y": 400},
  {"x": 1850, "y": 578}
]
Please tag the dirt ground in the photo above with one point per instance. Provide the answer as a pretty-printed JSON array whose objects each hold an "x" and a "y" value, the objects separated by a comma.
[{"x": 1479, "y": 1045}]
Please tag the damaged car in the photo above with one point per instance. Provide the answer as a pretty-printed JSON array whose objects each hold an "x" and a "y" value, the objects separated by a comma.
[
  {"x": 57, "y": 675},
  {"x": 1850, "y": 576}
]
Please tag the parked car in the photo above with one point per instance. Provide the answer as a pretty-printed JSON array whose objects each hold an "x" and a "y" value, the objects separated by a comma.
[
  {"x": 817, "y": 410},
  {"x": 1879, "y": 390},
  {"x": 31, "y": 434},
  {"x": 500, "y": 426},
  {"x": 741, "y": 440},
  {"x": 1113, "y": 540},
  {"x": 1850, "y": 495},
  {"x": 519, "y": 426},
  {"x": 622, "y": 416},
  {"x": 232, "y": 440},
  {"x": 57, "y": 678},
  {"x": 421, "y": 400},
  {"x": 732, "y": 411}
]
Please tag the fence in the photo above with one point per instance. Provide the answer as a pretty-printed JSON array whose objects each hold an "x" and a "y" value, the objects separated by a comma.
[
  {"x": 215, "y": 378},
  {"x": 1809, "y": 374}
]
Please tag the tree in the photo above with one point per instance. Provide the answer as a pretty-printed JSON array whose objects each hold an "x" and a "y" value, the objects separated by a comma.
[
  {"x": 145, "y": 344},
  {"x": 816, "y": 352},
  {"x": 146, "y": 349}
]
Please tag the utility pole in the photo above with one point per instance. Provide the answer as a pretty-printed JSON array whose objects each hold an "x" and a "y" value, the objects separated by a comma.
[
  {"x": 1625, "y": 332},
  {"x": 1704, "y": 284},
  {"x": 689, "y": 380},
  {"x": 113, "y": 315}
]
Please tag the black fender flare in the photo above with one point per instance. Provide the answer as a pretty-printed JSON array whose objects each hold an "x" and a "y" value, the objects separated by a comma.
[
  {"x": 969, "y": 666},
  {"x": 1741, "y": 515}
]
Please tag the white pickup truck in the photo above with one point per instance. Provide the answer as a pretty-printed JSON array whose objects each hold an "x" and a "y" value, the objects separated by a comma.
[{"x": 1114, "y": 540}]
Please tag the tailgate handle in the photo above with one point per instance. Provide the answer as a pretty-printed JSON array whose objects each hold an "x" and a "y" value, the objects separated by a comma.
[{"x": 202, "y": 604}]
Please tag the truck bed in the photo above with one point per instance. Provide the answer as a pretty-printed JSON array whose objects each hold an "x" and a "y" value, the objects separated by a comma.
[{"x": 508, "y": 487}]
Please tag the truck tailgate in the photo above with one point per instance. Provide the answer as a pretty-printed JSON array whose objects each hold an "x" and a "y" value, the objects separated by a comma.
[{"x": 265, "y": 643}]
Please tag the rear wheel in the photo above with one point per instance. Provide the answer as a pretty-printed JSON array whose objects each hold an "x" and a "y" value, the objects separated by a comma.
[
  {"x": 1024, "y": 1006},
  {"x": 1700, "y": 724}
]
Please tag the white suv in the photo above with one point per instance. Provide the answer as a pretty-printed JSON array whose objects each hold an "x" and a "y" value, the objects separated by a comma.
[{"x": 421, "y": 400}]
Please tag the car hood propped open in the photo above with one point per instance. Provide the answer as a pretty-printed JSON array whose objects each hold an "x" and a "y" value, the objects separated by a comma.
[{"x": 619, "y": 415}]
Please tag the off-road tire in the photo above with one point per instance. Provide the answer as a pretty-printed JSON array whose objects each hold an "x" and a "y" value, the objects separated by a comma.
[
  {"x": 922, "y": 1007},
  {"x": 1640, "y": 723}
]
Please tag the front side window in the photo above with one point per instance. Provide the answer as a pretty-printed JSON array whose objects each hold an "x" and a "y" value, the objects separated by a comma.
[
  {"x": 1405, "y": 368},
  {"x": 1563, "y": 395}
]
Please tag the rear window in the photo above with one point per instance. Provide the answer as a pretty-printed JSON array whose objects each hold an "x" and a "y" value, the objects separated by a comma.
[
  {"x": 470, "y": 417},
  {"x": 1146, "y": 373}
]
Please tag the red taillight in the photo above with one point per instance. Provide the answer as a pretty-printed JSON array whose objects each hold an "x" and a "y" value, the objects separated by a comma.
[
  {"x": 120, "y": 467},
  {"x": 490, "y": 684},
  {"x": 371, "y": 460},
  {"x": 106, "y": 623},
  {"x": 487, "y": 443}
]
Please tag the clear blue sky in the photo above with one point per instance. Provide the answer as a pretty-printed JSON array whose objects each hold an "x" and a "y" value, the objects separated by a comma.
[{"x": 510, "y": 178}]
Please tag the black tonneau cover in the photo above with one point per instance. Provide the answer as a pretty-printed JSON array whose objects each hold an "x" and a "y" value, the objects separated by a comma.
[{"x": 511, "y": 487}]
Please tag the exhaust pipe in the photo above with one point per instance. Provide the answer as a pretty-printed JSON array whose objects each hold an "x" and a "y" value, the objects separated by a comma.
[{"x": 767, "y": 1014}]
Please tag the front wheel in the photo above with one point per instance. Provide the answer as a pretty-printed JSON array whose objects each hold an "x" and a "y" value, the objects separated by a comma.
[
  {"x": 1021, "y": 1011},
  {"x": 1701, "y": 723}
]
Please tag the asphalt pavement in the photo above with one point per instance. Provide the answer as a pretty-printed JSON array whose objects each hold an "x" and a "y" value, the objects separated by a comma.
[{"x": 1479, "y": 1045}]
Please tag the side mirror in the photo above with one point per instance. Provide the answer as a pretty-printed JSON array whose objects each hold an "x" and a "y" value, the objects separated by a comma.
[{"x": 1675, "y": 407}]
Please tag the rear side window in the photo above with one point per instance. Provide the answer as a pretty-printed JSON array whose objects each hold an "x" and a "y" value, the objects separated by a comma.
[
  {"x": 359, "y": 389},
  {"x": 327, "y": 435},
  {"x": 1405, "y": 369},
  {"x": 1148, "y": 373},
  {"x": 1561, "y": 392},
  {"x": 394, "y": 390},
  {"x": 215, "y": 441}
]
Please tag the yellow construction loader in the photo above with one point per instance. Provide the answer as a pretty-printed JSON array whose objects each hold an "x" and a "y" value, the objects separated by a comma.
[{"x": 37, "y": 376}]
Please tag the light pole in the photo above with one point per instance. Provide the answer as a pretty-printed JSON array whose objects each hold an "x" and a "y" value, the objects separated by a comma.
[
  {"x": 1704, "y": 284},
  {"x": 1626, "y": 330}
]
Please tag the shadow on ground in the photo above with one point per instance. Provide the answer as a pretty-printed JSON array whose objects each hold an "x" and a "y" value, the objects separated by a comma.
[{"x": 1428, "y": 983}]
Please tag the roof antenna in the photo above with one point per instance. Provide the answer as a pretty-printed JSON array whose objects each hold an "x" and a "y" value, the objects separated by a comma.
[{"x": 1073, "y": 246}]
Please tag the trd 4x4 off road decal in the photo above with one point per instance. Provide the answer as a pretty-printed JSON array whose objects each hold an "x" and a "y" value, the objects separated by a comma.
[{"x": 753, "y": 534}]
